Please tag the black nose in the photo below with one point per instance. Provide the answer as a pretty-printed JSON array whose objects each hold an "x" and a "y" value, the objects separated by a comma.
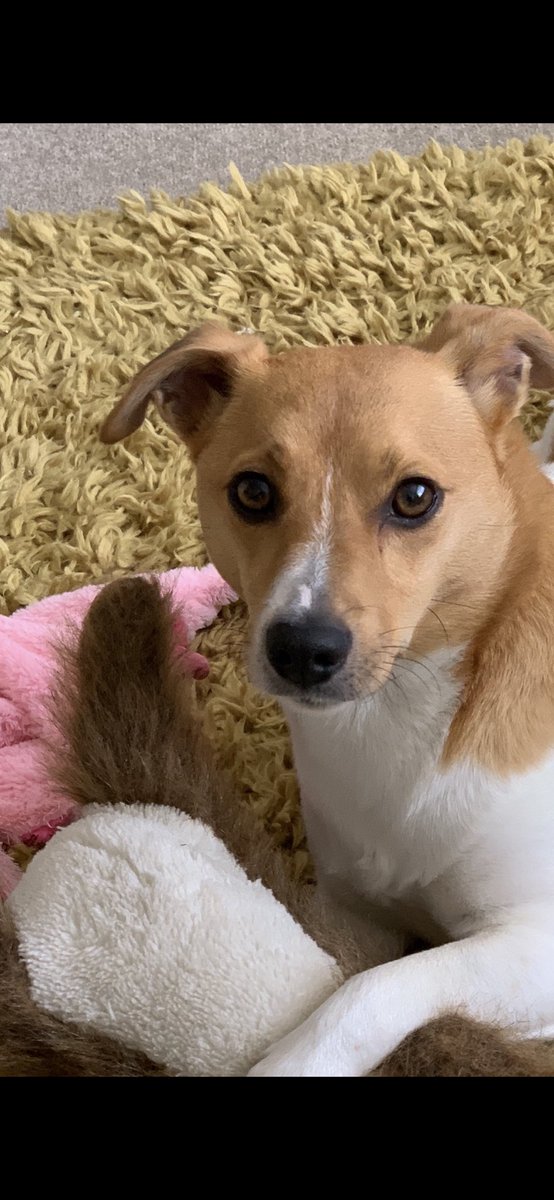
[{"x": 308, "y": 651}]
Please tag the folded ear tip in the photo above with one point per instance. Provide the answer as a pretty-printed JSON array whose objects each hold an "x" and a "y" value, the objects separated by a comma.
[
  {"x": 119, "y": 425},
  {"x": 105, "y": 434},
  {"x": 181, "y": 378}
]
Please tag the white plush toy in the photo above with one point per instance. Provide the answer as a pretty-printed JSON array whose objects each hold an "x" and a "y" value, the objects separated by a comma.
[
  {"x": 172, "y": 926},
  {"x": 140, "y": 923}
]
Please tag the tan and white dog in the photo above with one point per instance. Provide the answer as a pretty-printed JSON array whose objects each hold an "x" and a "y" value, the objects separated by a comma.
[{"x": 381, "y": 512}]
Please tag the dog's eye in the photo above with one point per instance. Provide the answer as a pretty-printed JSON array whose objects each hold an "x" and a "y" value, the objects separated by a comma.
[
  {"x": 414, "y": 499},
  {"x": 253, "y": 496}
]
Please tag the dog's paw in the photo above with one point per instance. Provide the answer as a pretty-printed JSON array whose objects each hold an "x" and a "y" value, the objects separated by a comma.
[
  {"x": 346, "y": 1037},
  {"x": 308, "y": 1053}
]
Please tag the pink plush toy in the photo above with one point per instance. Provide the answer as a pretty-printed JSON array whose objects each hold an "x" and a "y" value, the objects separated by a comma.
[{"x": 30, "y": 809}]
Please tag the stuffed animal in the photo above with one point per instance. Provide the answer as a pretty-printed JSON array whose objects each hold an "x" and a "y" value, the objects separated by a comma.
[
  {"x": 161, "y": 933},
  {"x": 31, "y": 808}
]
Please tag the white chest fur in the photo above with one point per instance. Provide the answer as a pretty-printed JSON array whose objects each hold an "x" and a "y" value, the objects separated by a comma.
[
  {"x": 368, "y": 778},
  {"x": 386, "y": 824}
]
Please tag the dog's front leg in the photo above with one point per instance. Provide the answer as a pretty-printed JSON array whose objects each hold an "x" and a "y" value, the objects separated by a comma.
[{"x": 503, "y": 974}]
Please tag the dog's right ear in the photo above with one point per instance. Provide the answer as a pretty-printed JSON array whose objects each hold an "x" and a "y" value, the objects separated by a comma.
[
  {"x": 190, "y": 382},
  {"x": 497, "y": 354}
]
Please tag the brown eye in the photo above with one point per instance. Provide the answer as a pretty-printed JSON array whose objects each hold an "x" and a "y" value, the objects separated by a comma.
[
  {"x": 414, "y": 499},
  {"x": 253, "y": 496}
]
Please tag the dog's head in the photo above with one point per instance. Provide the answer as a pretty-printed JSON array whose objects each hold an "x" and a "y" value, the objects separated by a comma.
[{"x": 353, "y": 495}]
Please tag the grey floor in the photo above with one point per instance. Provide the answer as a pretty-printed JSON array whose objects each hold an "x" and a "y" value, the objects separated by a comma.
[{"x": 70, "y": 166}]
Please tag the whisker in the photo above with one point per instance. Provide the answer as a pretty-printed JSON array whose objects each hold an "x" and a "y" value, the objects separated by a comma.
[
  {"x": 397, "y": 684},
  {"x": 441, "y": 623},
  {"x": 404, "y": 658},
  {"x": 359, "y": 608},
  {"x": 391, "y": 663},
  {"x": 456, "y": 604},
  {"x": 406, "y": 664},
  {"x": 399, "y": 629}
]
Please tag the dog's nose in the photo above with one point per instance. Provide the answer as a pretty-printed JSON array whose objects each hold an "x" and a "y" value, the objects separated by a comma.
[{"x": 308, "y": 651}]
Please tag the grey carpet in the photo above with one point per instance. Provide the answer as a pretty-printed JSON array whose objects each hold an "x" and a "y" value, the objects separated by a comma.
[{"x": 71, "y": 166}]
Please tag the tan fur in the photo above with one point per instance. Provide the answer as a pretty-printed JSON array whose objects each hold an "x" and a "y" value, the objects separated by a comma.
[
  {"x": 506, "y": 718},
  {"x": 482, "y": 571},
  {"x": 480, "y": 340},
  {"x": 207, "y": 361},
  {"x": 346, "y": 406}
]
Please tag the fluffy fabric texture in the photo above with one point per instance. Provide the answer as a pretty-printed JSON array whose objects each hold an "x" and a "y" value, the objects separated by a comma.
[
  {"x": 127, "y": 735},
  {"x": 455, "y": 1047},
  {"x": 305, "y": 255},
  {"x": 31, "y": 807},
  {"x": 35, "y": 1043},
  {"x": 141, "y": 924}
]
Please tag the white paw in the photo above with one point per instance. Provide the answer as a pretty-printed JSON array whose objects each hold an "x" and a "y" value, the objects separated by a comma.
[
  {"x": 347, "y": 1036},
  {"x": 307, "y": 1053}
]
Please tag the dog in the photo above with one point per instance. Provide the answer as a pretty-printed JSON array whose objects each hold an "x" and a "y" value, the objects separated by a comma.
[{"x": 383, "y": 515}]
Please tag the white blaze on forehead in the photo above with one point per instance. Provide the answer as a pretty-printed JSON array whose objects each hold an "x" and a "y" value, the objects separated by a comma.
[
  {"x": 326, "y": 503},
  {"x": 303, "y": 581},
  {"x": 324, "y": 527},
  {"x": 317, "y": 550}
]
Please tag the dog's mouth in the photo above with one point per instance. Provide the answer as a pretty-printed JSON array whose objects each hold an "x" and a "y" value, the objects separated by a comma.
[{"x": 312, "y": 698}]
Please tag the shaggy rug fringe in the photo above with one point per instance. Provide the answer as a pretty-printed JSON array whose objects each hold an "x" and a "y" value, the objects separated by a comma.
[{"x": 306, "y": 255}]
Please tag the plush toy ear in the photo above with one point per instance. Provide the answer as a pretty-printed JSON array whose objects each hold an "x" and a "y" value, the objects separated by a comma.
[
  {"x": 190, "y": 382},
  {"x": 497, "y": 353}
]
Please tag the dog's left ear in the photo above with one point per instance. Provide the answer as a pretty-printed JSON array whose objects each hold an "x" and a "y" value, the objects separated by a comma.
[
  {"x": 190, "y": 383},
  {"x": 497, "y": 353}
]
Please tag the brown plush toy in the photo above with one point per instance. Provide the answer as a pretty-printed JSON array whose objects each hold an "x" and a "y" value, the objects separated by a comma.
[{"x": 124, "y": 711}]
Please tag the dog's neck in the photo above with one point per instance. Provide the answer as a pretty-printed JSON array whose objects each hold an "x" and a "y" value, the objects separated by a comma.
[
  {"x": 391, "y": 738},
  {"x": 367, "y": 774}
]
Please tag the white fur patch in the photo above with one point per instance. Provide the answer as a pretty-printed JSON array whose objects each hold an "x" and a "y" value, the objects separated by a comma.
[
  {"x": 367, "y": 773},
  {"x": 305, "y": 597},
  {"x": 300, "y": 586},
  {"x": 140, "y": 923},
  {"x": 302, "y": 583},
  {"x": 319, "y": 546},
  {"x": 473, "y": 852}
]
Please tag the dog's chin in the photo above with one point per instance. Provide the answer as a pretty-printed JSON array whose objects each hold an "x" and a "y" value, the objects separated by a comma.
[
  {"x": 313, "y": 700},
  {"x": 317, "y": 699}
]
